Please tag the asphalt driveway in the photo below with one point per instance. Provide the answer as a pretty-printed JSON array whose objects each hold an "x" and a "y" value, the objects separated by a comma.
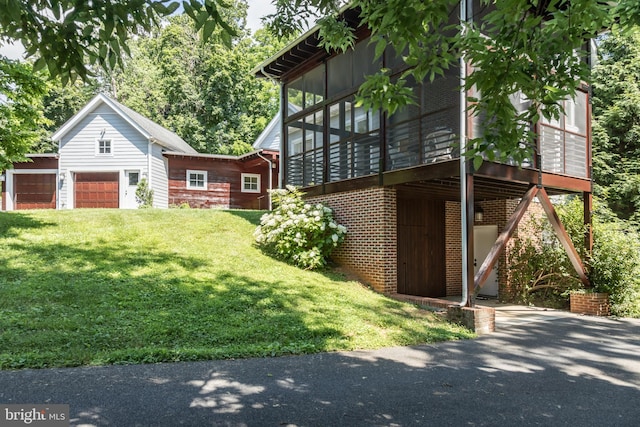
[{"x": 540, "y": 368}]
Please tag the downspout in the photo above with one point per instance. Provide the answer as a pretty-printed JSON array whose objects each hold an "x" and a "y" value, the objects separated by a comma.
[
  {"x": 282, "y": 111},
  {"x": 270, "y": 163},
  {"x": 463, "y": 160}
]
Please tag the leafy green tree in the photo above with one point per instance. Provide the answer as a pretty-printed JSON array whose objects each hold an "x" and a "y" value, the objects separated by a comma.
[
  {"x": 203, "y": 92},
  {"x": 616, "y": 125},
  {"x": 21, "y": 118},
  {"x": 68, "y": 37}
]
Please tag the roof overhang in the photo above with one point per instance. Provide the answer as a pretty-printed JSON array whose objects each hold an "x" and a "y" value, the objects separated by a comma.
[
  {"x": 303, "y": 48},
  {"x": 218, "y": 156}
]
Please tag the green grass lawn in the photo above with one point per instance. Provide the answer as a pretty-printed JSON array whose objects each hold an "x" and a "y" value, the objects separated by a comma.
[{"x": 94, "y": 287}]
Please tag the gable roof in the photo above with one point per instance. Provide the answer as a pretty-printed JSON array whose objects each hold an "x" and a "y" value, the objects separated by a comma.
[
  {"x": 270, "y": 139},
  {"x": 148, "y": 128}
]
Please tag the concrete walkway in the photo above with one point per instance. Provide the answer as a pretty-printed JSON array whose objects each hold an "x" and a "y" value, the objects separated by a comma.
[{"x": 541, "y": 367}]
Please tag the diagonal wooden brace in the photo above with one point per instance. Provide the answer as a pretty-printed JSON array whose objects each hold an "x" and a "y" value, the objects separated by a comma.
[
  {"x": 492, "y": 258},
  {"x": 564, "y": 238}
]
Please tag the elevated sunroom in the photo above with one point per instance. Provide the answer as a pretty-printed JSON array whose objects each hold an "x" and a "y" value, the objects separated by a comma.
[{"x": 332, "y": 145}]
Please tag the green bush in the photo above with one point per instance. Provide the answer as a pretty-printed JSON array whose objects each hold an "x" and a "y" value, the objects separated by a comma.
[
  {"x": 614, "y": 266},
  {"x": 539, "y": 270},
  {"x": 298, "y": 232},
  {"x": 144, "y": 194}
]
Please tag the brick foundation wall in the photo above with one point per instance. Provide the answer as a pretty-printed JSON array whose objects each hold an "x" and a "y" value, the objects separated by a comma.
[
  {"x": 369, "y": 249},
  {"x": 591, "y": 303},
  {"x": 453, "y": 244},
  {"x": 481, "y": 320}
]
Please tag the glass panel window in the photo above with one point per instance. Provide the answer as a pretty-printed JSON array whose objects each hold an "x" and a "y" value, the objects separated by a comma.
[
  {"x": 339, "y": 70},
  {"x": 314, "y": 87},
  {"x": 134, "y": 178},
  {"x": 363, "y": 62},
  {"x": 104, "y": 146},
  {"x": 294, "y": 138},
  {"x": 313, "y": 131},
  {"x": 196, "y": 180},
  {"x": 576, "y": 114},
  {"x": 295, "y": 93},
  {"x": 250, "y": 183}
]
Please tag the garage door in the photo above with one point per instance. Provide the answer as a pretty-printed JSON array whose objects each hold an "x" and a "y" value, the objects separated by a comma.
[
  {"x": 96, "y": 190},
  {"x": 35, "y": 191}
]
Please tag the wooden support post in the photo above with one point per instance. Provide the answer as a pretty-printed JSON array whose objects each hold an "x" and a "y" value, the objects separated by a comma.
[
  {"x": 500, "y": 244},
  {"x": 588, "y": 222},
  {"x": 564, "y": 238}
]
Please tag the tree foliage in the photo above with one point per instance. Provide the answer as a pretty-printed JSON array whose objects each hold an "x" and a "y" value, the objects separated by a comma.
[
  {"x": 203, "y": 92},
  {"x": 616, "y": 125},
  {"x": 531, "y": 47},
  {"x": 68, "y": 37},
  {"x": 21, "y": 118}
]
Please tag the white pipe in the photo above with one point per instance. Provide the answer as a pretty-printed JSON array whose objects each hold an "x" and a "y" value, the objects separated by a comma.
[
  {"x": 282, "y": 111},
  {"x": 270, "y": 163},
  {"x": 463, "y": 163}
]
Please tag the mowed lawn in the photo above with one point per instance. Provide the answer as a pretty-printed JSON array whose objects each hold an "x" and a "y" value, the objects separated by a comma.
[{"x": 94, "y": 287}]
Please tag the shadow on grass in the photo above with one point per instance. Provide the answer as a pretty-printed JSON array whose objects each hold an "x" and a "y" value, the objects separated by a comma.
[
  {"x": 104, "y": 303},
  {"x": 12, "y": 222},
  {"x": 251, "y": 216}
]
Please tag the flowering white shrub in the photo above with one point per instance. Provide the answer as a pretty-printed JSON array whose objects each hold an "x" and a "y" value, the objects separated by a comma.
[{"x": 298, "y": 232}]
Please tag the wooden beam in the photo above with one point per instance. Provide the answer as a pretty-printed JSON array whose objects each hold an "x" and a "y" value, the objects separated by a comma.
[
  {"x": 500, "y": 244},
  {"x": 564, "y": 238},
  {"x": 587, "y": 200}
]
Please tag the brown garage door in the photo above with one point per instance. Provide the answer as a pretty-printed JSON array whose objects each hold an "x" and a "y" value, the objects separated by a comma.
[
  {"x": 35, "y": 191},
  {"x": 96, "y": 190}
]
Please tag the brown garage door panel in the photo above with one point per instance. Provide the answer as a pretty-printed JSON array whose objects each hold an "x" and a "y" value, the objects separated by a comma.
[
  {"x": 96, "y": 190},
  {"x": 35, "y": 191}
]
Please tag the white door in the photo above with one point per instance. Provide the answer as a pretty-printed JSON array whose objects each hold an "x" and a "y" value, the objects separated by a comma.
[
  {"x": 484, "y": 236},
  {"x": 131, "y": 179}
]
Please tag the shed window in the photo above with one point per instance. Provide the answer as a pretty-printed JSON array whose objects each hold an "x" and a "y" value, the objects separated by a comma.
[
  {"x": 196, "y": 180},
  {"x": 250, "y": 183},
  {"x": 104, "y": 146}
]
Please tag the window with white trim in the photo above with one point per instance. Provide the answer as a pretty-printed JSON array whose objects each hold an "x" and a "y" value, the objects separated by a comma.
[
  {"x": 250, "y": 183},
  {"x": 104, "y": 147},
  {"x": 196, "y": 180}
]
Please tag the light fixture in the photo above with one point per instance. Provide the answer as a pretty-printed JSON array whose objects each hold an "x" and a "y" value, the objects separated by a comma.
[{"x": 478, "y": 213}]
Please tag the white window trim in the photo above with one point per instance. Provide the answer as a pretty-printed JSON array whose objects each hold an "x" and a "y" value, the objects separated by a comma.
[
  {"x": 251, "y": 175},
  {"x": 189, "y": 186},
  {"x": 111, "y": 145}
]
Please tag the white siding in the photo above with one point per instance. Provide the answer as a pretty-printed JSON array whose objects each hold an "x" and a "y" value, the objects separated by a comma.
[
  {"x": 78, "y": 149},
  {"x": 159, "y": 177}
]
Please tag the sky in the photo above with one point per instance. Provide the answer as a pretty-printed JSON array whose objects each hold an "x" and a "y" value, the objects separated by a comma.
[{"x": 257, "y": 9}]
